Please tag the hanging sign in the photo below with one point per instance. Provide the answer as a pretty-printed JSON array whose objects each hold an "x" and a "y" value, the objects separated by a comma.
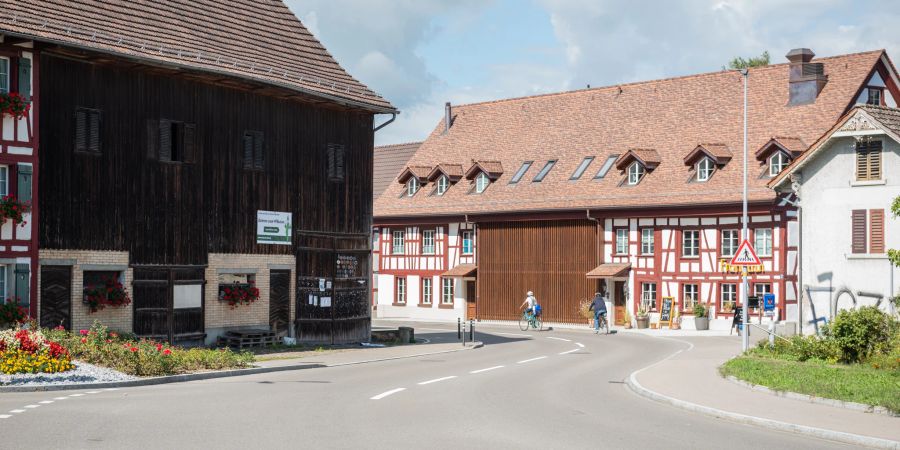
[
  {"x": 745, "y": 256},
  {"x": 273, "y": 227}
]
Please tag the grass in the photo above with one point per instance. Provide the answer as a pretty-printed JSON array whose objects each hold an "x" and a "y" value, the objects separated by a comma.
[{"x": 854, "y": 383}]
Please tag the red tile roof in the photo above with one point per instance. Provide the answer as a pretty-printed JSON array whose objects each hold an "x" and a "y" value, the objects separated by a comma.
[
  {"x": 420, "y": 172},
  {"x": 461, "y": 270},
  {"x": 493, "y": 169},
  {"x": 670, "y": 116},
  {"x": 718, "y": 152},
  {"x": 453, "y": 172},
  {"x": 609, "y": 270},
  {"x": 648, "y": 157},
  {"x": 257, "y": 40},
  {"x": 793, "y": 146}
]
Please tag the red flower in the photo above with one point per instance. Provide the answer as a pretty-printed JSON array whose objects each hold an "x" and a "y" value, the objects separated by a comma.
[
  {"x": 134, "y": 349},
  {"x": 83, "y": 332},
  {"x": 83, "y": 340},
  {"x": 167, "y": 352}
]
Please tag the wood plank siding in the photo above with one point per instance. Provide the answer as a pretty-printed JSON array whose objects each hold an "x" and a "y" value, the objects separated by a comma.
[
  {"x": 550, "y": 258},
  {"x": 176, "y": 213}
]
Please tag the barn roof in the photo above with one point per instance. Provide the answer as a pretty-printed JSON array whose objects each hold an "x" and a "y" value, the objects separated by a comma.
[{"x": 389, "y": 161}]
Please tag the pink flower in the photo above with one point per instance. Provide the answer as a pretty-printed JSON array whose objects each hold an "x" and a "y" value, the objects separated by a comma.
[{"x": 83, "y": 332}]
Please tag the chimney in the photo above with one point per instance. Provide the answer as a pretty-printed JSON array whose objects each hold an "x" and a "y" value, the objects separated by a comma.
[
  {"x": 448, "y": 110},
  {"x": 806, "y": 78}
]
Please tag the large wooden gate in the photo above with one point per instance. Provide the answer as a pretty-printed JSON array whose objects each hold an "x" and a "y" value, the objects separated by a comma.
[
  {"x": 333, "y": 287},
  {"x": 168, "y": 302},
  {"x": 279, "y": 300},
  {"x": 56, "y": 296}
]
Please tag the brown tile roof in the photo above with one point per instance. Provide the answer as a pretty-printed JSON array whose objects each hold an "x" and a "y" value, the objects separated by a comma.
[
  {"x": 648, "y": 157},
  {"x": 609, "y": 270},
  {"x": 420, "y": 172},
  {"x": 389, "y": 161},
  {"x": 257, "y": 40},
  {"x": 453, "y": 171},
  {"x": 493, "y": 169},
  {"x": 718, "y": 152},
  {"x": 670, "y": 116},
  {"x": 462, "y": 270},
  {"x": 791, "y": 145}
]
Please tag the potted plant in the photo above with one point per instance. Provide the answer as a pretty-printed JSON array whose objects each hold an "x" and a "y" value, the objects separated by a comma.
[
  {"x": 584, "y": 310},
  {"x": 675, "y": 324},
  {"x": 701, "y": 321},
  {"x": 110, "y": 293},
  {"x": 238, "y": 294},
  {"x": 626, "y": 317},
  {"x": 643, "y": 318},
  {"x": 14, "y": 105}
]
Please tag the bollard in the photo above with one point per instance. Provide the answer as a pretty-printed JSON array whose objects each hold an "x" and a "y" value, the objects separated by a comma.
[
  {"x": 472, "y": 331},
  {"x": 772, "y": 333},
  {"x": 458, "y": 328}
]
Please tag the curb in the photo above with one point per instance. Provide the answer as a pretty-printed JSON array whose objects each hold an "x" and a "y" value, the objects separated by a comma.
[
  {"x": 821, "y": 433},
  {"x": 861, "y": 407},
  {"x": 206, "y": 375}
]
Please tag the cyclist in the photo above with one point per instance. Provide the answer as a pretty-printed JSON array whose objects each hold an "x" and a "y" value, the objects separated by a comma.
[
  {"x": 529, "y": 303},
  {"x": 599, "y": 308}
]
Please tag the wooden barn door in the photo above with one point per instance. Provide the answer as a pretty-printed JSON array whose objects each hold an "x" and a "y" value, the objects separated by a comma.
[
  {"x": 619, "y": 302},
  {"x": 168, "y": 302},
  {"x": 279, "y": 300},
  {"x": 56, "y": 296}
]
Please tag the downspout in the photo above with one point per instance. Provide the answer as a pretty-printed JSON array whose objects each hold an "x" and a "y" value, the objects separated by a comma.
[
  {"x": 393, "y": 117},
  {"x": 795, "y": 188}
]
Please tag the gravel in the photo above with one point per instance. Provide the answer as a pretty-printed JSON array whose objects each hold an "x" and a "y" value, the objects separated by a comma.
[{"x": 83, "y": 373}]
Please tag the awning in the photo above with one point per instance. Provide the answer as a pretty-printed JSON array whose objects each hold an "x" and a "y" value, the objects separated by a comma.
[
  {"x": 610, "y": 270},
  {"x": 462, "y": 270}
]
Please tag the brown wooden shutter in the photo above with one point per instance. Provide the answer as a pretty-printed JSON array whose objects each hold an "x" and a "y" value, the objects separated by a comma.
[
  {"x": 336, "y": 162},
  {"x": 259, "y": 160},
  {"x": 93, "y": 141},
  {"x": 165, "y": 140},
  {"x": 876, "y": 231},
  {"x": 81, "y": 126},
  {"x": 248, "y": 150},
  {"x": 152, "y": 139},
  {"x": 190, "y": 143},
  {"x": 859, "y": 231},
  {"x": 874, "y": 160}
]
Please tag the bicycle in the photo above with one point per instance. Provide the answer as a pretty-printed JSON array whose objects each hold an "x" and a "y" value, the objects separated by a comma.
[
  {"x": 603, "y": 326},
  {"x": 530, "y": 320}
]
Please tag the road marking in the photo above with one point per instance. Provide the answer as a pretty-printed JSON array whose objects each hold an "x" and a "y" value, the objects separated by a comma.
[
  {"x": 60, "y": 398},
  {"x": 436, "y": 329},
  {"x": 17, "y": 411},
  {"x": 579, "y": 344},
  {"x": 530, "y": 360},
  {"x": 385, "y": 394},
  {"x": 514, "y": 334},
  {"x": 94, "y": 392},
  {"x": 5, "y": 416},
  {"x": 559, "y": 339},
  {"x": 485, "y": 370},
  {"x": 111, "y": 389},
  {"x": 570, "y": 351},
  {"x": 46, "y": 402},
  {"x": 76, "y": 395},
  {"x": 32, "y": 406},
  {"x": 437, "y": 379}
]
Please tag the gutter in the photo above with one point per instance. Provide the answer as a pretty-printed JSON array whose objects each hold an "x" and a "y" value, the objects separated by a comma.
[{"x": 393, "y": 117}]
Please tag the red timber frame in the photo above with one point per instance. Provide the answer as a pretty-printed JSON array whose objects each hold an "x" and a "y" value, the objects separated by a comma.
[{"x": 14, "y": 52}]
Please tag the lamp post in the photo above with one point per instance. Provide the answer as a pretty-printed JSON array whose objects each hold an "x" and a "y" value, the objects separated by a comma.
[{"x": 745, "y": 336}]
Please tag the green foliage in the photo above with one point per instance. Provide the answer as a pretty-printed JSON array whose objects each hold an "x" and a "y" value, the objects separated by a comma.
[
  {"x": 861, "y": 333},
  {"x": 754, "y": 61},
  {"x": 700, "y": 310}
]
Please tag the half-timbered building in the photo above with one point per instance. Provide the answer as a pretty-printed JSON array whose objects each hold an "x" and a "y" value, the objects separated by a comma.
[
  {"x": 635, "y": 188},
  {"x": 188, "y": 150}
]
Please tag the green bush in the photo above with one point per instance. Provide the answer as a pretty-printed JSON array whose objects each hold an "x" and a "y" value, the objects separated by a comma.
[
  {"x": 800, "y": 348},
  {"x": 861, "y": 333}
]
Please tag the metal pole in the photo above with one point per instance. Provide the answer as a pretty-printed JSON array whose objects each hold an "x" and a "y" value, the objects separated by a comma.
[
  {"x": 472, "y": 330},
  {"x": 458, "y": 328},
  {"x": 745, "y": 337}
]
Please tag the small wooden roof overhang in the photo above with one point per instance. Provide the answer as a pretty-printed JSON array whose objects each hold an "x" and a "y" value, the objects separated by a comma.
[
  {"x": 610, "y": 270},
  {"x": 493, "y": 169},
  {"x": 719, "y": 153},
  {"x": 648, "y": 158},
  {"x": 461, "y": 271},
  {"x": 420, "y": 172},
  {"x": 454, "y": 172},
  {"x": 791, "y": 146}
]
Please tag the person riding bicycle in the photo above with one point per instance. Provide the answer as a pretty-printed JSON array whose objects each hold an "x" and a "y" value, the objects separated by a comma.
[
  {"x": 529, "y": 304},
  {"x": 599, "y": 308}
]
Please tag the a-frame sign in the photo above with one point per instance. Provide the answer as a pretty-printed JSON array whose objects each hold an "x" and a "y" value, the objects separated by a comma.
[{"x": 745, "y": 256}]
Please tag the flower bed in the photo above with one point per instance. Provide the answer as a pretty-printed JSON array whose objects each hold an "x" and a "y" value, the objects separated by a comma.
[{"x": 29, "y": 351}]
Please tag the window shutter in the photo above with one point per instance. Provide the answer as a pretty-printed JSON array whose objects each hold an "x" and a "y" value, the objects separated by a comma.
[
  {"x": 876, "y": 231},
  {"x": 259, "y": 160},
  {"x": 152, "y": 139},
  {"x": 875, "y": 160},
  {"x": 23, "y": 285},
  {"x": 248, "y": 150},
  {"x": 81, "y": 125},
  {"x": 165, "y": 140},
  {"x": 190, "y": 143},
  {"x": 859, "y": 231},
  {"x": 23, "y": 176},
  {"x": 25, "y": 78},
  {"x": 336, "y": 162},
  {"x": 93, "y": 123}
]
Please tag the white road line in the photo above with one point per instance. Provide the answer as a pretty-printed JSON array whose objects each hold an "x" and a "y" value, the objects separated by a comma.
[
  {"x": 570, "y": 351},
  {"x": 485, "y": 370},
  {"x": 385, "y": 394},
  {"x": 46, "y": 402},
  {"x": 530, "y": 360},
  {"x": 514, "y": 334},
  {"x": 111, "y": 389},
  {"x": 437, "y": 379},
  {"x": 579, "y": 344},
  {"x": 60, "y": 398},
  {"x": 94, "y": 392},
  {"x": 5, "y": 416},
  {"x": 76, "y": 395},
  {"x": 17, "y": 411},
  {"x": 32, "y": 406},
  {"x": 559, "y": 339}
]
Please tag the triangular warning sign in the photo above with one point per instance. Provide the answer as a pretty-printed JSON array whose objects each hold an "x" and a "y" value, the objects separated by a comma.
[{"x": 745, "y": 256}]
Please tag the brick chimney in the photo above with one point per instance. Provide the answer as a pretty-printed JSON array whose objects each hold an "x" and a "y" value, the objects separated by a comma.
[{"x": 806, "y": 78}]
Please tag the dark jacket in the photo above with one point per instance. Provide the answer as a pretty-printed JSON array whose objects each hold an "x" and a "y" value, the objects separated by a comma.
[{"x": 598, "y": 305}]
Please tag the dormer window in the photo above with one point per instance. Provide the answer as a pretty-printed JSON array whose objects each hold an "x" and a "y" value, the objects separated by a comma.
[
  {"x": 442, "y": 184},
  {"x": 412, "y": 186},
  {"x": 635, "y": 173},
  {"x": 777, "y": 163},
  {"x": 875, "y": 96},
  {"x": 705, "y": 169},
  {"x": 481, "y": 182}
]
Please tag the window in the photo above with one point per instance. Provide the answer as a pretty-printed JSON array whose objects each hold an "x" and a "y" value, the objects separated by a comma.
[
  {"x": 761, "y": 289},
  {"x": 426, "y": 291},
  {"x": 231, "y": 285},
  {"x": 4, "y": 75},
  {"x": 777, "y": 163},
  {"x": 875, "y": 95},
  {"x": 581, "y": 168},
  {"x": 691, "y": 295},
  {"x": 868, "y": 161},
  {"x": 447, "y": 291},
  {"x": 397, "y": 247},
  {"x": 690, "y": 243},
  {"x": 729, "y": 297},
  {"x": 621, "y": 241},
  {"x": 3, "y": 292},
  {"x": 648, "y": 296},
  {"x": 467, "y": 244},
  {"x": 604, "y": 169},
  {"x": 730, "y": 240},
  {"x": 400, "y": 292},
  {"x": 174, "y": 141},
  {"x": 412, "y": 186},
  {"x": 544, "y": 171},
  {"x": 481, "y": 182},
  {"x": 647, "y": 241},
  {"x": 428, "y": 242},
  {"x": 442, "y": 184},
  {"x": 635, "y": 173},
  {"x": 335, "y": 161},
  {"x": 4, "y": 181},
  {"x": 704, "y": 169},
  {"x": 254, "y": 158},
  {"x": 867, "y": 237},
  {"x": 763, "y": 241},
  {"x": 87, "y": 130},
  {"x": 521, "y": 172}
]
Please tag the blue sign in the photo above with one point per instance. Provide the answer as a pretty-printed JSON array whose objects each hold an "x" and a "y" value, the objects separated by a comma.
[{"x": 769, "y": 302}]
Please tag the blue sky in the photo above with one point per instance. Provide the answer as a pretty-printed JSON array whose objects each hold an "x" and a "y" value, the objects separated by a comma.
[{"x": 422, "y": 53}]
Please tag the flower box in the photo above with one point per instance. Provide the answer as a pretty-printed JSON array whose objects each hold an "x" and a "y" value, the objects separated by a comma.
[
  {"x": 108, "y": 292},
  {"x": 12, "y": 209},
  {"x": 14, "y": 105}
]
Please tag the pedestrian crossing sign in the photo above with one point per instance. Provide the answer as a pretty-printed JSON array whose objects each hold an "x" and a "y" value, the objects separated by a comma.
[{"x": 745, "y": 255}]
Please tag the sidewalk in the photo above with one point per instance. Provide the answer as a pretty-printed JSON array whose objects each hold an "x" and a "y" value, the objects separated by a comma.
[
  {"x": 692, "y": 376},
  {"x": 371, "y": 354}
]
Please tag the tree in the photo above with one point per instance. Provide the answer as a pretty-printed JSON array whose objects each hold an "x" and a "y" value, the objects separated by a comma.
[
  {"x": 753, "y": 61},
  {"x": 894, "y": 254}
]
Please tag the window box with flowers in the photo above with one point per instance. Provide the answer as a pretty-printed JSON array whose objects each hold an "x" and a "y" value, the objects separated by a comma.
[
  {"x": 13, "y": 209},
  {"x": 238, "y": 289},
  {"x": 14, "y": 105},
  {"x": 104, "y": 288}
]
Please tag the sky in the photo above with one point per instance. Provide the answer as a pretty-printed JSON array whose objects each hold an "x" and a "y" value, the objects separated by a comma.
[{"x": 420, "y": 54}]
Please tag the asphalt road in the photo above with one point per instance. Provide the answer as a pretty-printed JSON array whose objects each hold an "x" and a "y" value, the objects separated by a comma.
[{"x": 522, "y": 390}]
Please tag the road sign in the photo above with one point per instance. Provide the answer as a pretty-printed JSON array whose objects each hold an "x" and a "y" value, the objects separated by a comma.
[
  {"x": 769, "y": 304},
  {"x": 745, "y": 256}
]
